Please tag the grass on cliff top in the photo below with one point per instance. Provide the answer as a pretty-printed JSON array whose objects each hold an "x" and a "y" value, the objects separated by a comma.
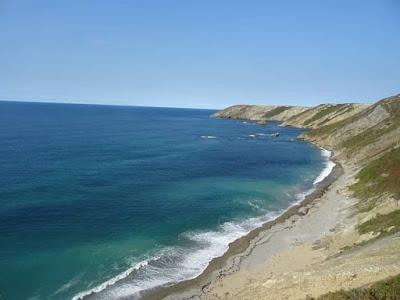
[
  {"x": 380, "y": 176},
  {"x": 385, "y": 289}
]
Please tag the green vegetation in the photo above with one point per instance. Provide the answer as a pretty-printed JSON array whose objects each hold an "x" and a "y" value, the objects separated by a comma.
[
  {"x": 274, "y": 112},
  {"x": 300, "y": 115},
  {"x": 385, "y": 224},
  {"x": 379, "y": 176},
  {"x": 388, "y": 289},
  {"x": 323, "y": 112},
  {"x": 371, "y": 135},
  {"x": 341, "y": 111},
  {"x": 327, "y": 129},
  {"x": 392, "y": 105}
]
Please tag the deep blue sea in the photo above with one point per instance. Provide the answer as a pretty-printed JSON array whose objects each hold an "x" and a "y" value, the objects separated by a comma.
[{"x": 119, "y": 199}]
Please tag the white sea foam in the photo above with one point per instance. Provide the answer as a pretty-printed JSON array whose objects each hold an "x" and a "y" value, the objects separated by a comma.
[
  {"x": 111, "y": 281},
  {"x": 302, "y": 195},
  {"x": 174, "y": 264},
  {"x": 208, "y": 137},
  {"x": 329, "y": 165}
]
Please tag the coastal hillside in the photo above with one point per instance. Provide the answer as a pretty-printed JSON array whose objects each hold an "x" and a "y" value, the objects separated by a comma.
[
  {"x": 359, "y": 255},
  {"x": 364, "y": 135},
  {"x": 324, "y": 114},
  {"x": 296, "y": 116}
]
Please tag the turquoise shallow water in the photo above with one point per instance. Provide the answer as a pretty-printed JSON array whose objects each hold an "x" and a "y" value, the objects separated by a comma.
[{"x": 120, "y": 199}]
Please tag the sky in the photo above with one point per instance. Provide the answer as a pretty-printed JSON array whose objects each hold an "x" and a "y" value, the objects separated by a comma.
[{"x": 201, "y": 54}]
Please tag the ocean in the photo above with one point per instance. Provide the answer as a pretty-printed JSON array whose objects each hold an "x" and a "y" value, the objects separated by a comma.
[{"x": 114, "y": 200}]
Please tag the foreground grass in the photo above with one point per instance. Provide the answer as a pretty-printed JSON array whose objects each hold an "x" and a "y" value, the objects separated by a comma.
[{"x": 388, "y": 289}]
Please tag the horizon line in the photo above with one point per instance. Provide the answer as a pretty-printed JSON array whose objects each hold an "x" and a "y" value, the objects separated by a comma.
[
  {"x": 103, "y": 104},
  {"x": 159, "y": 106}
]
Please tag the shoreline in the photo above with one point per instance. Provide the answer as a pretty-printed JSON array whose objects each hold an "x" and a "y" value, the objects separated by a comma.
[{"x": 226, "y": 263}]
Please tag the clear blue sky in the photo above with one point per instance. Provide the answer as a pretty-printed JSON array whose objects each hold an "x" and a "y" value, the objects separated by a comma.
[{"x": 208, "y": 53}]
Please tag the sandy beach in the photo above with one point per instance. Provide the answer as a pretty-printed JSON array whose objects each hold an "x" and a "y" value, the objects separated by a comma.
[{"x": 306, "y": 252}]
